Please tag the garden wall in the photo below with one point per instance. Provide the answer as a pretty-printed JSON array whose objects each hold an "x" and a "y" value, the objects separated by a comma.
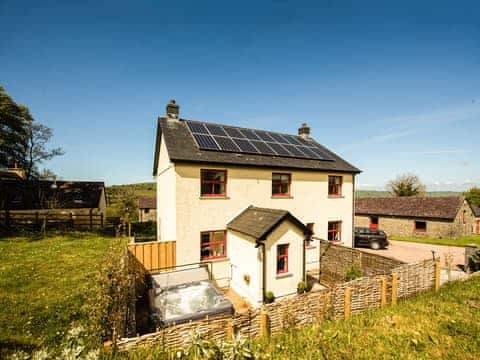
[
  {"x": 341, "y": 301},
  {"x": 337, "y": 260}
]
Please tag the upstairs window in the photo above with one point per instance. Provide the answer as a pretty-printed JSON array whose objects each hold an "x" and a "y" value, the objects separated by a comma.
[
  {"x": 420, "y": 226},
  {"x": 281, "y": 184},
  {"x": 282, "y": 258},
  {"x": 335, "y": 231},
  {"x": 213, "y": 244},
  {"x": 213, "y": 182},
  {"x": 335, "y": 185}
]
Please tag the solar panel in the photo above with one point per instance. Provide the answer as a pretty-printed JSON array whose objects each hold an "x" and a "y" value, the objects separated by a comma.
[
  {"x": 262, "y": 147},
  {"x": 249, "y": 134},
  {"x": 216, "y": 130},
  {"x": 292, "y": 140},
  {"x": 226, "y": 143},
  {"x": 307, "y": 151},
  {"x": 294, "y": 150},
  {"x": 233, "y": 132},
  {"x": 264, "y": 136},
  {"x": 233, "y": 139},
  {"x": 278, "y": 138},
  {"x": 279, "y": 149},
  {"x": 322, "y": 153},
  {"x": 197, "y": 128},
  {"x": 205, "y": 142},
  {"x": 245, "y": 145}
]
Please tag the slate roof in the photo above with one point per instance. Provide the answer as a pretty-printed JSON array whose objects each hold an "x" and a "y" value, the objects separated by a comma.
[
  {"x": 476, "y": 210},
  {"x": 181, "y": 147},
  {"x": 259, "y": 222},
  {"x": 31, "y": 195},
  {"x": 147, "y": 202},
  {"x": 417, "y": 207}
]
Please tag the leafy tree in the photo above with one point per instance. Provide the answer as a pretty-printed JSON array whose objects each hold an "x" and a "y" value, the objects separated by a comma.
[
  {"x": 38, "y": 137},
  {"x": 15, "y": 121},
  {"x": 22, "y": 141},
  {"x": 406, "y": 185},
  {"x": 128, "y": 206},
  {"x": 473, "y": 195}
]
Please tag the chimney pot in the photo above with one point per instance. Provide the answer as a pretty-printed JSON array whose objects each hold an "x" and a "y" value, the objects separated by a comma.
[
  {"x": 304, "y": 131},
  {"x": 173, "y": 109}
]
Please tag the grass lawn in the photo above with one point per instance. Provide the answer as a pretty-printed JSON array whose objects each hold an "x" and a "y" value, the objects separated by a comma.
[
  {"x": 462, "y": 241},
  {"x": 434, "y": 325},
  {"x": 44, "y": 284}
]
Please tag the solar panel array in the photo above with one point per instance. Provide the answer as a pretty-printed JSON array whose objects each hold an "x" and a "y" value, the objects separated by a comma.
[{"x": 249, "y": 141}]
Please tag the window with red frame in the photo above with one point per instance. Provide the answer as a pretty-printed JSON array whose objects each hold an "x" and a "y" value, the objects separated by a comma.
[
  {"x": 281, "y": 184},
  {"x": 335, "y": 231},
  {"x": 282, "y": 258},
  {"x": 213, "y": 244},
  {"x": 421, "y": 226},
  {"x": 213, "y": 182},
  {"x": 335, "y": 185}
]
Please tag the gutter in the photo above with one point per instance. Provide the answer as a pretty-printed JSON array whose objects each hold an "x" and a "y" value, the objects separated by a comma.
[{"x": 264, "y": 268}]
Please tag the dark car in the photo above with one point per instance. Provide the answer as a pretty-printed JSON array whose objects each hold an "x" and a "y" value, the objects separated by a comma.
[{"x": 372, "y": 238}]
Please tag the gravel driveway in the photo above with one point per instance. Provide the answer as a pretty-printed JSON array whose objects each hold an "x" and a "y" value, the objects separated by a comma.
[{"x": 413, "y": 252}]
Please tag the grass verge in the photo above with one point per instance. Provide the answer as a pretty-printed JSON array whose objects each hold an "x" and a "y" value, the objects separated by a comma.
[
  {"x": 461, "y": 241},
  {"x": 45, "y": 287}
]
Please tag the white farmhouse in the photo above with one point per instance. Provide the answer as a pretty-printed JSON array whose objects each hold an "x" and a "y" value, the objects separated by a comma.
[{"x": 211, "y": 176}]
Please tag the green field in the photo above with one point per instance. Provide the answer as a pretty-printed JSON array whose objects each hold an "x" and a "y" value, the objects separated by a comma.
[
  {"x": 461, "y": 241},
  {"x": 45, "y": 284},
  {"x": 115, "y": 193},
  {"x": 434, "y": 325}
]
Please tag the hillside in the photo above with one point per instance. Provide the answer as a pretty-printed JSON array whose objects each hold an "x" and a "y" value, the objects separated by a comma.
[{"x": 118, "y": 193}]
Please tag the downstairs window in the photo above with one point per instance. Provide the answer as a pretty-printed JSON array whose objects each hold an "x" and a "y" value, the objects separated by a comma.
[{"x": 213, "y": 244}]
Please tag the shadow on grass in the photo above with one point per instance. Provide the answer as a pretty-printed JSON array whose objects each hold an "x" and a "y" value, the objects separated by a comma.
[{"x": 9, "y": 346}]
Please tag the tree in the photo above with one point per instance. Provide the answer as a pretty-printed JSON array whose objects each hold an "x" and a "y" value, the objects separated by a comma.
[
  {"x": 38, "y": 137},
  {"x": 473, "y": 196},
  {"x": 406, "y": 185},
  {"x": 22, "y": 141},
  {"x": 15, "y": 121}
]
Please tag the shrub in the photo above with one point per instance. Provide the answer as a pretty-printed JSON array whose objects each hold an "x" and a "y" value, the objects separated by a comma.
[
  {"x": 354, "y": 272},
  {"x": 302, "y": 287},
  {"x": 269, "y": 297}
]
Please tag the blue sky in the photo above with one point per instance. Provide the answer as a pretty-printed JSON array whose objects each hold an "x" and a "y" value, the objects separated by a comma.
[{"x": 393, "y": 87}]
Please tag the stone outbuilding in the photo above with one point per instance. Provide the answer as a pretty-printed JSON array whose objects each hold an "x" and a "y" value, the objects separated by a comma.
[
  {"x": 476, "y": 212},
  {"x": 450, "y": 216},
  {"x": 147, "y": 208}
]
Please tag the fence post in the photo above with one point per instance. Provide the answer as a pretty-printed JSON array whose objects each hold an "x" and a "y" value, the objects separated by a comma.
[
  {"x": 91, "y": 221},
  {"x": 263, "y": 323},
  {"x": 230, "y": 332},
  {"x": 36, "y": 219},
  {"x": 394, "y": 288},
  {"x": 437, "y": 274},
  {"x": 101, "y": 220},
  {"x": 384, "y": 291},
  {"x": 348, "y": 301}
]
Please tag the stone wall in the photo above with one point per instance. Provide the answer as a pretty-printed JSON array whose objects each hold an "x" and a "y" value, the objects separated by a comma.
[{"x": 337, "y": 260}]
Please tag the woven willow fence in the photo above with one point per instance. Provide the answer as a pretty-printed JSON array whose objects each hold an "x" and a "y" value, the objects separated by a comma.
[{"x": 338, "y": 302}]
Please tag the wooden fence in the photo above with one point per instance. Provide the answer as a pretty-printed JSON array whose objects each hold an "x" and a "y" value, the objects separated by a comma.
[
  {"x": 339, "y": 302},
  {"x": 53, "y": 219},
  {"x": 155, "y": 255}
]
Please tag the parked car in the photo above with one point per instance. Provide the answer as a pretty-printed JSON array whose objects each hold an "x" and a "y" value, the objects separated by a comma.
[{"x": 372, "y": 238}]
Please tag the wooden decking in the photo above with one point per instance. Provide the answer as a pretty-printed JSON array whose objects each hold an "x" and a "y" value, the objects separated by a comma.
[{"x": 240, "y": 304}]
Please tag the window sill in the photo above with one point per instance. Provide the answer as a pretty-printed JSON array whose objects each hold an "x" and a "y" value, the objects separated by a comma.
[
  {"x": 336, "y": 196},
  {"x": 220, "y": 197},
  {"x": 283, "y": 275},
  {"x": 282, "y": 197},
  {"x": 214, "y": 260}
]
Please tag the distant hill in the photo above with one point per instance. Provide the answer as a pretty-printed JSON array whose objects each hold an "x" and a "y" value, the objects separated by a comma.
[
  {"x": 115, "y": 193},
  {"x": 378, "y": 193}
]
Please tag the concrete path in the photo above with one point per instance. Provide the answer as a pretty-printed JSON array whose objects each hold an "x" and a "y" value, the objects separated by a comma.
[{"x": 413, "y": 252}]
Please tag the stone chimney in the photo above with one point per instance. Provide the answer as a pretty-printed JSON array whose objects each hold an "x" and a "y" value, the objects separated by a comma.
[
  {"x": 304, "y": 131},
  {"x": 173, "y": 110}
]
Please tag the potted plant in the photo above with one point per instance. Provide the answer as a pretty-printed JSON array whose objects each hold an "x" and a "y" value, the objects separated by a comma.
[
  {"x": 269, "y": 297},
  {"x": 302, "y": 287}
]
